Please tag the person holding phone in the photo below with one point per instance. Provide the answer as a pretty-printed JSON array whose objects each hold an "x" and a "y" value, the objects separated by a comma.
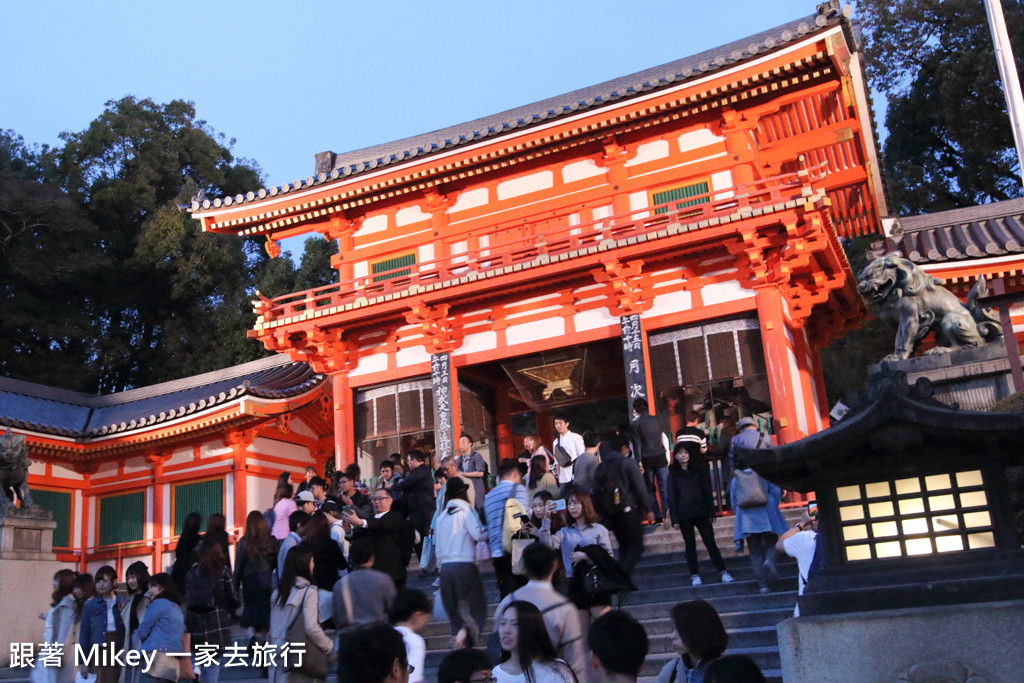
[{"x": 800, "y": 543}]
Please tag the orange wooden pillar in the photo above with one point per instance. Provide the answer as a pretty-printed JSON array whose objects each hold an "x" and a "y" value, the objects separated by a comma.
[
  {"x": 344, "y": 454},
  {"x": 156, "y": 461},
  {"x": 772, "y": 316},
  {"x": 239, "y": 442},
  {"x": 503, "y": 421}
]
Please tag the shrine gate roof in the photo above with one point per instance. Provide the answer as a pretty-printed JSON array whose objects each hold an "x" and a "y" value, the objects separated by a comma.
[
  {"x": 38, "y": 408},
  {"x": 331, "y": 166},
  {"x": 974, "y": 232}
]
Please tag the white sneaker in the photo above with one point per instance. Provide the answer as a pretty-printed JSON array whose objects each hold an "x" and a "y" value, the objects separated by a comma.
[
  {"x": 727, "y": 577},
  {"x": 695, "y": 580}
]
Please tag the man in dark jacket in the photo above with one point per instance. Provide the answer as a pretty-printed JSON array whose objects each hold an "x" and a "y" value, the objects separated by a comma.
[
  {"x": 417, "y": 493},
  {"x": 387, "y": 530},
  {"x": 647, "y": 436},
  {"x": 625, "y": 517}
]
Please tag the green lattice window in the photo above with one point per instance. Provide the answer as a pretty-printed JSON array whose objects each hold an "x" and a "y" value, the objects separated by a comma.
[
  {"x": 59, "y": 503},
  {"x": 204, "y": 497},
  {"x": 393, "y": 267},
  {"x": 122, "y": 518},
  {"x": 689, "y": 195}
]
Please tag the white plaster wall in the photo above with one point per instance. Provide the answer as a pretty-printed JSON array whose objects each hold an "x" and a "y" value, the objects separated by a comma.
[
  {"x": 377, "y": 362},
  {"x": 214, "y": 449},
  {"x": 469, "y": 199},
  {"x": 66, "y": 472},
  {"x": 695, "y": 139},
  {"x": 409, "y": 215},
  {"x": 411, "y": 356},
  {"x": 360, "y": 269},
  {"x": 426, "y": 253},
  {"x": 530, "y": 183},
  {"x": 479, "y": 341},
  {"x": 281, "y": 449},
  {"x": 37, "y": 467},
  {"x": 649, "y": 151},
  {"x": 259, "y": 492},
  {"x": 133, "y": 465},
  {"x": 594, "y": 319},
  {"x": 229, "y": 495},
  {"x": 670, "y": 302},
  {"x": 301, "y": 428},
  {"x": 371, "y": 225},
  {"x": 637, "y": 202},
  {"x": 722, "y": 181},
  {"x": 540, "y": 329},
  {"x": 179, "y": 457},
  {"x": 722, "y": 292},
  {"x": 581, "y": 170}
]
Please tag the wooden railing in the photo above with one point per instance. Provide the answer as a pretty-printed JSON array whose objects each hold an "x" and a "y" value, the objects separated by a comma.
[{"x": 528, "y": 240}]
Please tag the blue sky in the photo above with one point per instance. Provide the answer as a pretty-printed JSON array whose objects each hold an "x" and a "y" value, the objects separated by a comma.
[{"x": 287, "y": 80}]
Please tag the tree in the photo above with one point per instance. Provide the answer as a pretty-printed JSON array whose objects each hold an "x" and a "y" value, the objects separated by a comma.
[
  {"x": 949, "y": 138},
  {"x": 48, "y": 249}
]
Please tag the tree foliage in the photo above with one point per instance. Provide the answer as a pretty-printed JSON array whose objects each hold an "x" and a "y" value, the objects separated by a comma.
[
  {"x": 105, "y": 284},
  {"x": 949, "y": 141}
]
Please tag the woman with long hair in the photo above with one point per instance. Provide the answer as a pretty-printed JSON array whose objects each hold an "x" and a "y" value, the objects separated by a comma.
[
  {"x": 136, "y": 581},
  {"x": 163, "y": 626},
  {"x": 83, "y": 590},
  {"x": 254, "y": 571},
  {"x": 540, "y": 477},
  {"x": 216, "y": 530},
  {"x": 699, "y": 637},
  {"x": 540, "y": 512},
  {"x": 583, "y": 530},
  {"x": 211, "y": 601},
  {"x": 185, "y": 551},
  {"x": 59, "y": 622},
  {"x": 527, "y": 652},
  {"x": 296, "y": 598},
  {"x": 330, "y": 561}
]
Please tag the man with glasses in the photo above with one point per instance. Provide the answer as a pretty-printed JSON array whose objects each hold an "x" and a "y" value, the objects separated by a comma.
[
  {"x": 387, "y": 531},
  {"x": 465, "y": 666}
]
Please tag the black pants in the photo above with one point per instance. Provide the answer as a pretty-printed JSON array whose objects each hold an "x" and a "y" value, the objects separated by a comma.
[
  {"x": 629, "y": 532},
  {"x": 707, "y": 534},
  {"x": 507, "y": 581}
]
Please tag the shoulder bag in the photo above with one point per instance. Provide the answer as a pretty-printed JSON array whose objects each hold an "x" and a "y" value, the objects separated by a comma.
[{"x": 314, "y": 661}]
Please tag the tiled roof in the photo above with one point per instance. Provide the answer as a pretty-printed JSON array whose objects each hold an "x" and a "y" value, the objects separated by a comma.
[
  {"x": 38, "y": 408},
  {"x": 984, "y": 231},
  {"x": 331, "y": 166}
]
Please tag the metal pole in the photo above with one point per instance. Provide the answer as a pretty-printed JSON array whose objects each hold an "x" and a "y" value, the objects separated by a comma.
[{"x": 1008, "y": 76}]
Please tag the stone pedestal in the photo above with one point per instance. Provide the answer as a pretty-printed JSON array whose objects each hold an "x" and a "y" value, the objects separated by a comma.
[
  {"x": 878, "y": 646},
  {"x": 27, "y": 566},
  {"x": 974, "y": 378}
]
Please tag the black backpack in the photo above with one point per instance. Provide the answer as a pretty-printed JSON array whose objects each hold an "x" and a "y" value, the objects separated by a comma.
[
  {"x": 608, "y": 493},
  {"x": 200, "y": 591}
]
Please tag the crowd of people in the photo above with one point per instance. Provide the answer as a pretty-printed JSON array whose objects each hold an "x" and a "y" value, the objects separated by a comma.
[{"x": 325, "y": 568}]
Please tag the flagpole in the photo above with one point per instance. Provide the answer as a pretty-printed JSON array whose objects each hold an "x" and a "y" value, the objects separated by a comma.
[{"x": 1008, "y": 76}]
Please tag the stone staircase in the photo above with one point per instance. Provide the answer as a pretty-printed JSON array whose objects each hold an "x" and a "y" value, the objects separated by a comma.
[{"x": 663, "y": 581}]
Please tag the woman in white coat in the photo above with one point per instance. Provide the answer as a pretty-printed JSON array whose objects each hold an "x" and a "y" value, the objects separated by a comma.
[{"x": 58, "y": 625}]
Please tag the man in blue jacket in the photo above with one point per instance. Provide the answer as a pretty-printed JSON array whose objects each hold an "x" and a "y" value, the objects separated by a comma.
[{"x": 102, "y": 624}]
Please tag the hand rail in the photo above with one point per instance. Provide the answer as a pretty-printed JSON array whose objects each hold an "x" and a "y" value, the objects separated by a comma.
[{"x": 533, "y": 241}]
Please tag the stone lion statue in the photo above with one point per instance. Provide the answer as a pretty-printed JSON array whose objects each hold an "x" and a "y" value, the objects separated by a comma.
[
  {"x": 917, "y": 304},
  {"x": 14, "y": 470}
]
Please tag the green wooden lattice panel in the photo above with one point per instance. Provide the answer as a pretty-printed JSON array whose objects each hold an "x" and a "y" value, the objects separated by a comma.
[
  {"x": 388, "y": 267},
  {"x": 684, "y": 193},
  {"x": 59, "y": 503},
  {"x": 204, "y": 497},
  {"x": 122, "y": 518}
]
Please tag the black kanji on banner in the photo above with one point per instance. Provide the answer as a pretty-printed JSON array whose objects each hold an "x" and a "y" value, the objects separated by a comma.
[
  {"x": 633, "y": 357},
  {"x": 441, "y": 376}
]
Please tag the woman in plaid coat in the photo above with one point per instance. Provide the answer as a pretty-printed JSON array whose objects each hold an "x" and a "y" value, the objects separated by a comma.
[{"x": 211, "y": 602}]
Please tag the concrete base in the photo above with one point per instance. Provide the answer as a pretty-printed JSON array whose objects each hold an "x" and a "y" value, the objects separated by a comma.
[
  {"x": 27, "y": 566},
  {"x": 877, "y": 647},
  {"x": 973, "y": 378}
]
